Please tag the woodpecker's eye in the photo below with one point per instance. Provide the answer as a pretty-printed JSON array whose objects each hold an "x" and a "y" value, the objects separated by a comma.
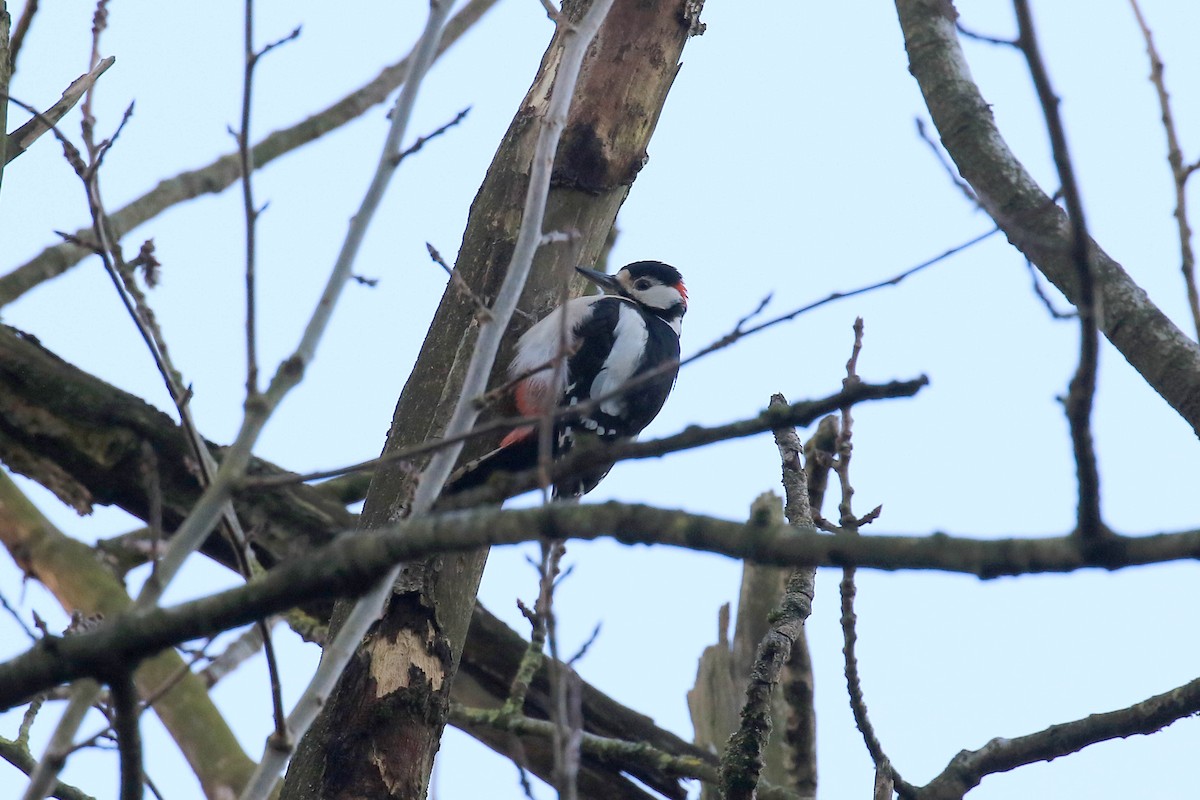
[{"x": 642, "y": 284}]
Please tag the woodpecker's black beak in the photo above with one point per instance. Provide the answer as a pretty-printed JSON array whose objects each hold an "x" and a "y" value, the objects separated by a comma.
[{"x": 603, "y": 280}]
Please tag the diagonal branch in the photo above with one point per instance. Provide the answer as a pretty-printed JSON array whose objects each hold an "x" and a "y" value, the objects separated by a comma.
[
  {"x": 17, "y": 754},
  {"x": 610, "y": 749},
  {"x": 82, "y": 583},
  {"x": 23, "y": 137},
  {"x": 1165, "y": 357},
  {"x": 222, "y": 173},
  {"x": 968, "y": 768},
  {"x": 504, "y": 485}
]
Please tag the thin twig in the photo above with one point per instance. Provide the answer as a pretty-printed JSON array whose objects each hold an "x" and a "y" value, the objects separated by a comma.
[
  {"x": 1040, "y": 293},
  {"x": 1179, "y": 172},
  {"x": 5, "y": 81},
  {"x": 173, "y": 680},
  {"x": 366, "y": 611},
  {"x": 143, "y": 317},
  {"x": 339, "y": 651},
  {"x": 27, "y": 719},
  {"x": 102, "y": 149},
  {"x": 1082, "y": 390},
  {"x": 150, "y": 785},
  {"x": 85, "y": 692},
  {"x": 947, "y": 165},
  {"x": 250, "y": 59},
  {"x": 249, "y": 209},
  {"x": 18, "y": 34},
  {"x": 983, "y": 37},
  {"x": 738, "y": 332},
  {"x": 504, "y": 485},
  {"x": 582, "y": 650},
  {"x": 251, "y": 212},
  {"x": 565, "y": 712},
  {"x": 17, "y": 617},
  {"x": 531, "y": 661},
  {"x": 421, "y": 140},
  {"x": 606, "y": 749},
  {"x": 849, "y": 524},
  {"x": 224, "y": 171},
  {"x": 233, "y": 656},
  {"x": 482, "y": 313}
]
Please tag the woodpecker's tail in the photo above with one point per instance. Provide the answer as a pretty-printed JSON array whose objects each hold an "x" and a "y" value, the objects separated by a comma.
[
  {"x": 519, "y": 455},
  {"x": 512, "y": 456}
]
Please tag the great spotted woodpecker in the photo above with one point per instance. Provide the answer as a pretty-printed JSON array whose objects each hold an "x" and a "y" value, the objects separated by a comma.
[{"x": 610, "y": 339}]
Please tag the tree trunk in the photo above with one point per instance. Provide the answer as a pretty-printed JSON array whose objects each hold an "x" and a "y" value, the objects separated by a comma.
[{"x": 379, "y": 733}]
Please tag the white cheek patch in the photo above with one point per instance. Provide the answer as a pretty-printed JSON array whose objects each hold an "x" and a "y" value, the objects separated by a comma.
[{"x": 660, "y": 296}]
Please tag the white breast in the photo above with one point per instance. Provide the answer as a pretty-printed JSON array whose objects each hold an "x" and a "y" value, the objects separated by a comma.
[
  {"x": 542, "y": 343},
  {"x": 629, "y": 346}
]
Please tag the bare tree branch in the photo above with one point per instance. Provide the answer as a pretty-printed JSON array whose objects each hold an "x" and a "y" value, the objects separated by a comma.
[
  {"x": 966, "y": 769},
  {"x": 129, "y": 737},
  {"x": 222, "y": 173},
  {"x": 6, "y": 63},
  {"x": 1082, "y": 391},
  {"x": 341, "y": 648},
  {"x": 849, "y": 524},
  {"x": 1167, "y": 359},
  {"x": 505, "y": 485},
  {"x": 83, "y": 584},
  {"x": 606, "y": 748},
  {"x": 23, "y": 137},
  {"x": 19, "y": 756},
  {"x": 1179, "y": 171},
  {"x": 352, "y": 563},
  {"x": 742, "y": 762},
  {"x": 18, "y": 35},
  {"x": 800, "y": 731}
]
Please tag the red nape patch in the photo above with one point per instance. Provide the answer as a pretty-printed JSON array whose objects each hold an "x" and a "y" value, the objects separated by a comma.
[
  {"x": 679, "y": 287},
  {"x": 516, "y": 435}
]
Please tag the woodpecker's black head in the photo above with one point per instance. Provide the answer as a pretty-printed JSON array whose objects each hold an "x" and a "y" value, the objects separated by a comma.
[{"x": 656, "y": 287}]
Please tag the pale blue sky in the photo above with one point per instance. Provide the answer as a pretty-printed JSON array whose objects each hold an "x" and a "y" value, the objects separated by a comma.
[{"x": 786, "y": 162}]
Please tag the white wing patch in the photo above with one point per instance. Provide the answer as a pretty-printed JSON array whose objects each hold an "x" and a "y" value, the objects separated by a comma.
[
  {"x": 629, "y": 344},
  {"x": 541, "y": 344}
]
